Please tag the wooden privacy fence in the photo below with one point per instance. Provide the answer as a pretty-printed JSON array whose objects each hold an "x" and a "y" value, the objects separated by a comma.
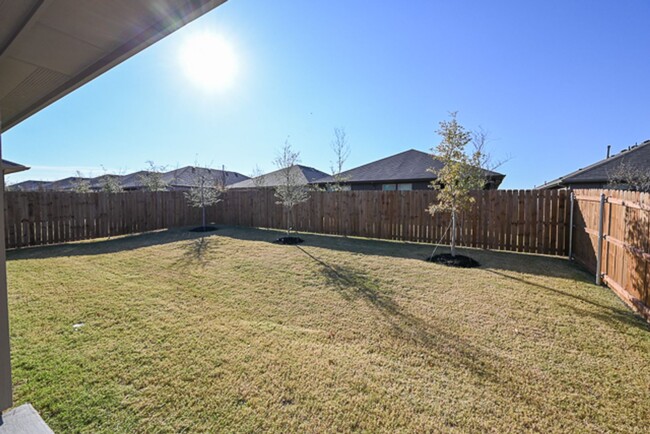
[
  {"x": 612, "y": 239},
  {"x": 516, "y": 220},
  {"x": 38, "y": 218}
]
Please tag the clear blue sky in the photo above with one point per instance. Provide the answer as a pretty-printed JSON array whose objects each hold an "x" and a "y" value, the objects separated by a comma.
[{"x": 553, "y": 82}]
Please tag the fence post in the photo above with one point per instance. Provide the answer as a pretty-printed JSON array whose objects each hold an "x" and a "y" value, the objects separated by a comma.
[
  {"x": 599, "y": 253},
  {"x": 571, "y": 226}
]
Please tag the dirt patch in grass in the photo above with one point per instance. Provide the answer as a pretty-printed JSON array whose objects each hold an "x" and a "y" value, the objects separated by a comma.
[
  {"x": 204, "y": 229},
  {"x": 291, "y": 241},
  {"x": 459, "y": 261},
  {"x": 228, "y": 332}
]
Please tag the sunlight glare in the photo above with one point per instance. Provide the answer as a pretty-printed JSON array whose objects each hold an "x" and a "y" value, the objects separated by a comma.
[{"x": 208, "y": 61}]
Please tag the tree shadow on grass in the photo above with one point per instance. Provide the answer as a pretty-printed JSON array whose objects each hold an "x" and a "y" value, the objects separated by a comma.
[
  {"x": 489, "y": 259},
  {"x": 196, "y": 252},
  {"x": 104, "y": 246},
  {"x": 353, "y": 284},
  {"x": 609, "y": 314}
]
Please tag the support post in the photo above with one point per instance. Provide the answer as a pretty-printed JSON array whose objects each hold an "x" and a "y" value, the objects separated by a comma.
[
  {"x": 573, "y": 197},
  {"x": 599, "y": 253},
  {"x": 5, "y": 357}
]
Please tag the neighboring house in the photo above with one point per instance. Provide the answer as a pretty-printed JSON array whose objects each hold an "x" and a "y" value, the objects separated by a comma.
[
  {"x": 179, "y": 179},
  {"x": 408, "y": 170},
  {"x": 28, "y": 186},
  {"x": 598, "y": 175},
  {"x": 302, "y": 174},
  {"x": 65, "y": 184},
  {"x": 133, "y": 181},
  {"x": 98, "y": 183},
  {"x": 188, "y": 177}
]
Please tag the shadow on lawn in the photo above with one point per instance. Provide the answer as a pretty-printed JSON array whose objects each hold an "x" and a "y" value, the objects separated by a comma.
[
  {"x": 104, "y": 246},
  {"x": 610, "y": 314},
  {"x": 495, "y": 262},
  {"x": 196, "y": 252},
  {"x": 489, "y": 259},
  {"x": 354, "y": 284}
]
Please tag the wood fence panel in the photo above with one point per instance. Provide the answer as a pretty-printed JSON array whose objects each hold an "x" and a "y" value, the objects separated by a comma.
[
  {"x": 625, "y": 242},
  {"x": 506, "y": 220}
]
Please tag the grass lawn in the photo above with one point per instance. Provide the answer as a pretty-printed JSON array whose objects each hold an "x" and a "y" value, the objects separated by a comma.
[{"x": 239, "y": 334}]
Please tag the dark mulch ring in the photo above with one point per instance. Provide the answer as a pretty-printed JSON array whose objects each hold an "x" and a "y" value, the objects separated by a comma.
[
  {"x": 204, "y": 229},
  {"x": 453, "y": 261},
  {"x": 289, "y": 240}
]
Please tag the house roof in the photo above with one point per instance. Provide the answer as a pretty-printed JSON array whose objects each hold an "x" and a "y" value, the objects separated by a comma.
[
  {"x": 303, "y": 174},
  {"x": 411, "y": 165},
  {"x": 65, "y": 184},
  {"x": 28, "y": 185},
  {"x": 9, "y": 167},
  {"x": 133, "y": 180},
  {"x": 189, "y": 176},
  {"x": 98, "y": 182},
  {"x": 637, "y": 156},
  {"x": 48, "y": 48}
]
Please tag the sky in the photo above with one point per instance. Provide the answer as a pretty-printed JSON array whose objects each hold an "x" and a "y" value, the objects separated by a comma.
[{"x": 553, "y": 82}]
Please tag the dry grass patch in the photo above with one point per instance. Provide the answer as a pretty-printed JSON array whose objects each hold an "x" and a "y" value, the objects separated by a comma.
[{"x": 234, "y": 333}]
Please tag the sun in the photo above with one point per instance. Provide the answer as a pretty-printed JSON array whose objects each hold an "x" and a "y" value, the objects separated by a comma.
[{"x": 208, "y": 61}]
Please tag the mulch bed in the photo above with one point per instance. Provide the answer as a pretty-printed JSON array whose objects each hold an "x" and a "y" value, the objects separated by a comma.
[
  {"x": 204, "y": 229},
  {"x": 454, "y": 261},
  {"x": 289, "y": 240}
]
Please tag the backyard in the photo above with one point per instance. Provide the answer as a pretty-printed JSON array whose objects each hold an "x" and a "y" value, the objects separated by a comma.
[{"x": 168, "y": 332}]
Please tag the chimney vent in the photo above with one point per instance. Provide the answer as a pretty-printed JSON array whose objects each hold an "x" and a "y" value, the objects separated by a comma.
[{"x": 609, "y": 148}]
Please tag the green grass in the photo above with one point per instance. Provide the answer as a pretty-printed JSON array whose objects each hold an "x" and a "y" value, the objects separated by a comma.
[{"x": 239, "y": 334}]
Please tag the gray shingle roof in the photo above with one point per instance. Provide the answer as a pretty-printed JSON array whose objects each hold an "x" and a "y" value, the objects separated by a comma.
[
  {"x": 133, "y": 180},
  {"x": 189, "y": 176},
  {"x": 411, "y": 165},
  {"x": 637, "y": 156},
  {"x": 65, "y": 184},
  {"x": 98, "y": 182},
  {"x": 28, "y": 186},
  {"x": 305, "y": 174}
]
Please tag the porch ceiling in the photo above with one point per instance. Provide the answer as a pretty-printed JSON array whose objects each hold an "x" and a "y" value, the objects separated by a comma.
[{"x": 48, "y": 48}]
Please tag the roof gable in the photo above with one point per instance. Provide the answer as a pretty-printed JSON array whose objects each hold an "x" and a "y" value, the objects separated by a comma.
[
  {"x": 637, "y": 156},
  {"x": 411, "y": 165},
  {"x": 304, "y": 175}
]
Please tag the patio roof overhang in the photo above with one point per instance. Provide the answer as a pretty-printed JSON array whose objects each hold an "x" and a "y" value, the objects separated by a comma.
[
  {"x": 9, "y": 167},
  {"x": 48, "y": 48}
]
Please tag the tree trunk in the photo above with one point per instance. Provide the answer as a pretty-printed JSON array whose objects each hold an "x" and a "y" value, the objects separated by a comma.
[
  {"x": 288, "y": 221},
  {"x": 453, "y": 233},
  {"x": 202, "y": 204}
]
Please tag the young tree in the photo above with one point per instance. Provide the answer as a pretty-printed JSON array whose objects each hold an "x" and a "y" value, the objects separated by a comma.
[
  {"x": 291, "y": 191},
  {"x": 81, "y": 184},
  {"x": 461, "y": 173},
  {"x": 111, "y": 182},
  {"x": 205, "y": 192},
  {"x": 152, "y": 179},
  {"x": 257, "y": 176},
  {"x": 629, "y": 176},
  {"x": 341, "y": 150}
]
